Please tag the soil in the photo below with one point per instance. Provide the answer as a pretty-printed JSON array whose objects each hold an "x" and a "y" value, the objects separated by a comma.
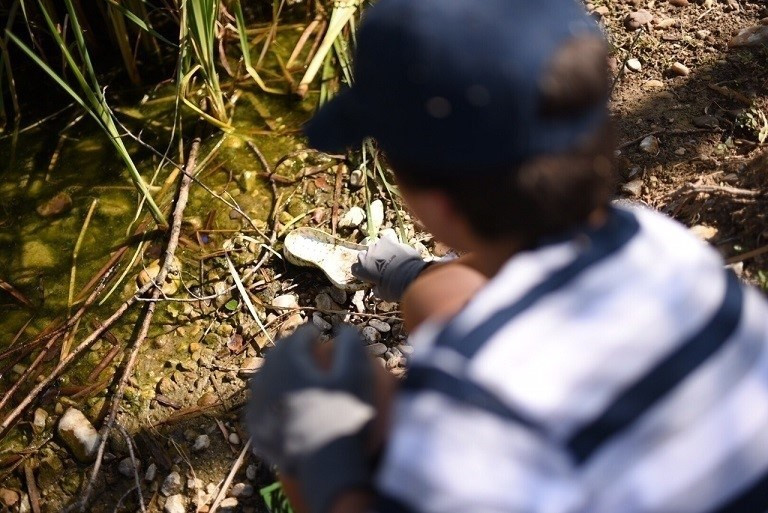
[{"x": 709, "y": 170}]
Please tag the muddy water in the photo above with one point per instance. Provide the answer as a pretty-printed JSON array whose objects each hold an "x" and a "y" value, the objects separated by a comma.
[{"x": 36, "y": 251}]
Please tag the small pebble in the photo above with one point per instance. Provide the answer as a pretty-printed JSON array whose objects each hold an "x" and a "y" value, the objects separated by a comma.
[
  {"x": 704, "y": 232},
  {"x": 653, "y": 84},
  {"x": 322, "y": 324},
  {"x": 376, "y": 349},
  {"x": 249, "y": 366},
  {"x": 637, "y": 19},
  {"x": 241, "y": 490},
  {"x": 377, "y": 215},
  {"x": 38, "y": 422},
  {"x": 324, "y": 302},
  {"x": 175, "y": 504},
  {"x": 171, "y": 484},
  {"x": 234, "y": 439},
  {"x": 352, "y": 218},
  {"x": 229, "y": 502},
  {"x": 372, "y": 335},
  {"x": 633, "y": 188},
  {"x": 405, "y": 349},
  {"x": 151, "y": 473},
  {"x": 650, "y": 145},
  {"x": 380, "y": 325},
  {"x": 680, "y": 69},
  {"x": 194, "y": 484},
  {"x": 680, "y": 152},
  {"x": 337, "y": 295},
  {"x": 356, "y": 178},
  {"x": 250, "y": 472},
  {"x": 286, "y": 301},
  {"x": 202, "y": 442},
  {"x": 679, "y": 3},
  {"x": 126, "y": 468},
  {"x": 634, "y": 65}
]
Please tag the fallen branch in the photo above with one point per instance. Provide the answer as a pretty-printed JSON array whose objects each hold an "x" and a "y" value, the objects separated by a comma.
[{"x": 168, "y": 257}]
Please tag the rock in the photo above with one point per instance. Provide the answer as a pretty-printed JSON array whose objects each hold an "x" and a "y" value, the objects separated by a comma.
[
  {"x": 380, "y": 325},
  {"x": 650, "y": 145},
  {"x": 352, "y": 218},
  {"x": 234, "y": 439},
  {"x": 228, "y": 503},
  {"x": 338, "y": 295},
  {"x": 633, "y": 188},
  {"x": 704, "y": 232},
  {"x": 221, "y": 290},
  {"x": 320, "y": 323},
  {"x": 634, "y": 65},
  {"x": 172, "y": 280},
  {"x": 405, "y": 349},
  {"x": 703, "y": 34},
  {"x": 706, "y": 122},
  {"x": 395, "y": 361},
  {"x": 356, "y": 179},
  {"x": 286, "y": 301},
  {"x": 324, "y": 302},
  {"x": 151, "y": 473},
  {"x": 751, "y": 37},
  {"x": 602, "y": 10},
  {"x": 250, "y": 366},
  {"x": 175, "y": 504},
  {"x": 126, "y": 468},
  {"x": 207, "y": 399},
  {"x": 637, "y": 19},
  {"x": 166, "y": 386},
  {"x": 653, "y": 84},
  {"x": 250, "y": 472},
  {"x": 241, "y": 490},
  {"x": 370, "y": 334},
  {"x": 680, "y": 151},
  {"x": 38, "y": 421},
  {"x": 8, "y": 498},
  {"x": 202, "y": 442},
  {"x": 194, "y": 484},
  {"x": 290, "y": 324},
  {"x": 171, "y": 485},
  {"x": 667, "y": 23},
  {"x": 79, "y": 435},
  {"x": 377, "y": 215},
  {"x": 59, "y": 204},
  {"x": 680, "y": 69},
  {"x": 376, "y": 349},
  {"x": 678, "y": 3}
]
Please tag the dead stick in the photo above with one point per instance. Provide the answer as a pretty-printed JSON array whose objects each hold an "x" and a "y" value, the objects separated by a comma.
[
  {"x": 228, "y": 481},
  {"x": 170, "y": 250}
]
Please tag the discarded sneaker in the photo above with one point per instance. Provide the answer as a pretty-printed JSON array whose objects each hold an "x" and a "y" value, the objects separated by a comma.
[{"x": 308, "y": 247}]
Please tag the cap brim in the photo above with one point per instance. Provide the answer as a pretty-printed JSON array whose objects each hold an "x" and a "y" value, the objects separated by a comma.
[{"x": 338, "y": 125}]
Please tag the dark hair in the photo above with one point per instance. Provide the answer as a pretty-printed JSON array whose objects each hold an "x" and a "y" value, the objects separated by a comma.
[{"x": 549, "y": 193}]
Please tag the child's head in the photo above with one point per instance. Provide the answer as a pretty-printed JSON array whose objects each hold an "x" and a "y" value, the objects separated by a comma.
[{"x": 493, "y": 114}]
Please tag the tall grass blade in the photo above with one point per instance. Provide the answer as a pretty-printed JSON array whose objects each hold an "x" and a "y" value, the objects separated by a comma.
[
  {"x": 246, "y": 48},
  {"x": 133, "y": 18}
]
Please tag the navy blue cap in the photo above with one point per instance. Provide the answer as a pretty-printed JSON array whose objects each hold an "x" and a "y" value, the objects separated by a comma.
[{"x": 454, "y": 84}]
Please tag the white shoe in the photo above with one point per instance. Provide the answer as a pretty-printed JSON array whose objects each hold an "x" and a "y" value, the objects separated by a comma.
[{"x": 308, "y": 247}]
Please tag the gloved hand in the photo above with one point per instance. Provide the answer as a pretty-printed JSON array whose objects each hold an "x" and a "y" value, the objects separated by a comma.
[
  {"x": 311, "y": 422},
  {"x": 390, "y": 266}
]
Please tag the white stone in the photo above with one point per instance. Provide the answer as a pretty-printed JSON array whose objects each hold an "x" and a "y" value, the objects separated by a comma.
[
  {"x": 171, "y": 484},
  {"x": 202, "y": 442},
  {"x": 229, "y": 502},
  {"x": 356, "y": 178},
  {"x": 704, "y": 232},
  {"x": 377, "y": 215},
  {"x": 234, "y": 439},
  {"x": 79, "y": 435},
  {"x": 241, "y": 490},
  {"x": 650, "y": 145},
  {"x": 352, "y": 218},
  {"x": 38, "y": 422},
  {"x": 175, "y": 504},
  {"x": 286, "y": 301},
  {"x": 680, "y": 69},
  {"x": 634, "y": 65}
]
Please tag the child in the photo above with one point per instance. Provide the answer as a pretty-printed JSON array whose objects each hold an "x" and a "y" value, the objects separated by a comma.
[{"x": 579, "y": 358}]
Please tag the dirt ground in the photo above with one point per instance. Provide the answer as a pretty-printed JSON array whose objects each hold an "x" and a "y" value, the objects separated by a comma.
[{"x": 703, "y": 161}]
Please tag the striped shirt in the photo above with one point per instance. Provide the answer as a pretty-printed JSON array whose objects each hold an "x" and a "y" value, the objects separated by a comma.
[{"x": 622, "y": 370}]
